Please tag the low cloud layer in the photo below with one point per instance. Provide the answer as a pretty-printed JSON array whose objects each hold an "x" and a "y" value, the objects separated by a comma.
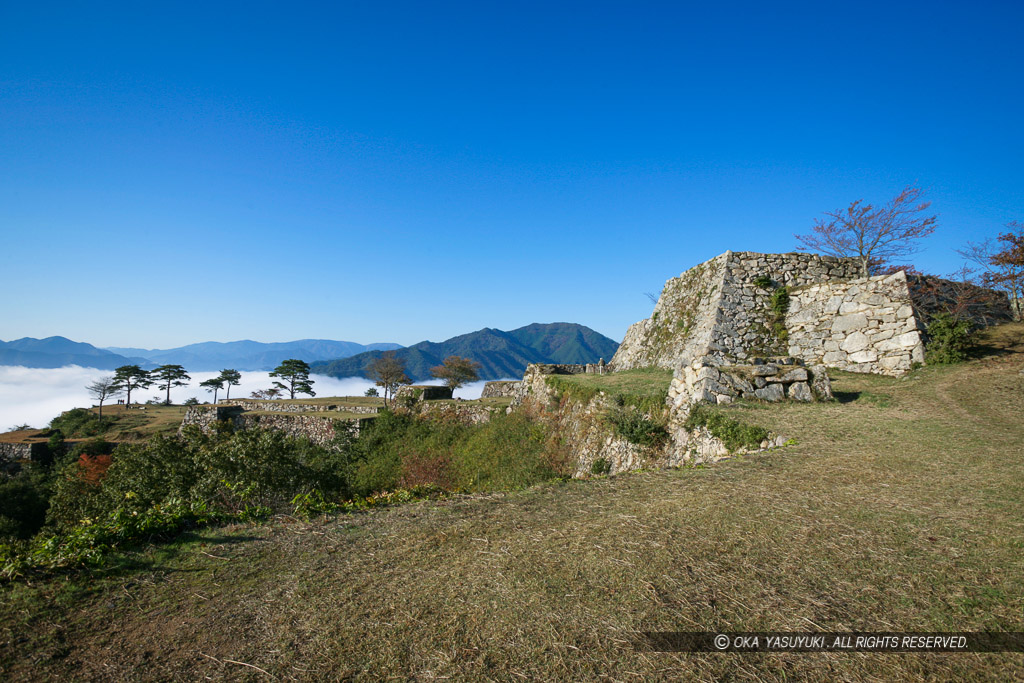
[{"x": 34, "y": 396}]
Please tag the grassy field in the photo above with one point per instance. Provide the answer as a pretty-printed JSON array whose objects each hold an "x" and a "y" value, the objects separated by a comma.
[
  {"x": 900, "y": 508},
  {"x": 138, "y": 423}
]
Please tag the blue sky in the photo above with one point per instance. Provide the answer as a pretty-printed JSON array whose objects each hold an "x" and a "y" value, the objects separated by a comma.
[{"x": 406, "y": 171}]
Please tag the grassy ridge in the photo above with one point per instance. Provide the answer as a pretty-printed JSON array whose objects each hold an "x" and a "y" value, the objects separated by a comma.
[{"x": 901, "y": 508}]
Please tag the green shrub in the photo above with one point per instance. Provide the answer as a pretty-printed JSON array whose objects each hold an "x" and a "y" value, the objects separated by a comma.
[
  {"x": 393, "y": 451},
  {"x": 600, "y": 466},
  {"x": 949, "y": 339},
  {"x": 78, "y": 423},
  {"x": 779, "y": 301},
  {"x": 634, "y": 426},
  {"x": 733, "y": 433},
  {"x": 762, "y": 281}
]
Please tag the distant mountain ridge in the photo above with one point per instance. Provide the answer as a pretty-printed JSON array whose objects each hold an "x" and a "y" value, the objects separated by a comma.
[
  {"x": 57, "y": 352},
  {"x": 251, "y": 355},
  {"x": 500, "y": 353}
]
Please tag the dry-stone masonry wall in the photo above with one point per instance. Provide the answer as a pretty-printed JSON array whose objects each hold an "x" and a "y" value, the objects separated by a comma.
[
  {"x": 13, "y": 454},
  {"x": 772, "y": 379},
  {"x": 742, "y": 305},
  {"x": 317, "y": 428},
  {"x": 424, "y": 392},
  {"x": 863, "y": 325},
  {"x": 716, "y": 310},
  {"x": 499, "y": 389},
  {"x": 583, "y": 430},
  {"x": 279, "y": 407}
]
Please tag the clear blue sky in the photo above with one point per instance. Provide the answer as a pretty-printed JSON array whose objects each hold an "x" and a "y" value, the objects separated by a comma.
[{"x": 178, "y": 172}]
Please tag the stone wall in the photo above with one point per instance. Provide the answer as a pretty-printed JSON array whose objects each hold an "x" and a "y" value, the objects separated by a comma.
[
  {"x": 424, "y": 392},
  {"x": 466, "y": 413},
  {"x": 716, "y": 310},
  {"x": 205, "y": 416},
  {"x": 499, "y": 389},
  {"x": 772, "y": 379},
  {"x": 13, "y": 454},
  {"x": 863, "y": 325},
  {"x": 279, "y": 407},
  {"x": 732, "y": 309},
  {"x": 681, "y": 324},
  {"x": 317, "y": 428},
  {"x": 584, "y": 432}
]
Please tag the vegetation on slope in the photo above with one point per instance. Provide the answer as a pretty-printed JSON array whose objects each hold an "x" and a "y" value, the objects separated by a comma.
[{"x": 900, "y": 508}]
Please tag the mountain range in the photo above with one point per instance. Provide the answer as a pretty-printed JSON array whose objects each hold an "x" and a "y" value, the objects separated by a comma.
[
  {"x": 500, "y": 354},
  {"x": 56, "y": 352},
  {"x": 250, "y": 355}
]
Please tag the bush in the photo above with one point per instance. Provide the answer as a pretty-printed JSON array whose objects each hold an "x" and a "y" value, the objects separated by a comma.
[
  {"x": 635, "y": 427},
  {"x": 24, "y": 500},
  {"x": 78, "y": 423},
  {"x": 733, "y": 433},
  {"x": 949, "y": 339},
  {"x": 600, "y": 466},
  {"x": 509, "y": 452}
]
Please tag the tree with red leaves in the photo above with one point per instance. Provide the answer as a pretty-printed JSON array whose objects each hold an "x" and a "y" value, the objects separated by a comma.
[
  {"x": 1002, "y": 262},
  {"x": 875, "y": 236}
]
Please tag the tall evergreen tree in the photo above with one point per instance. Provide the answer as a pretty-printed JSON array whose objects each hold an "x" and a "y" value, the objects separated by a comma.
[
  {"x": 295, "y": 374},
  {"x": 168, "y": 376},
  {"x": 230, "y": 378},
  {"x": 128, "y": 377}
]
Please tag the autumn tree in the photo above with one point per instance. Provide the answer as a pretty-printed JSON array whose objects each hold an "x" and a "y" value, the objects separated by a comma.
[
  {"x": 128, "y": 377},
  {"x": 102, "y": 389},
  {"x": 213, "y": 386},
  {"x": 168, "y": 377},
  {"x": 230, "y": 378},
  {"x": 295, "y": 376},
  {"x": 875, "y": 236},
  {"x": 456, "y": 371},
  {"x": 1002, "y": 263},
  {"x": 388, "y": 372}
]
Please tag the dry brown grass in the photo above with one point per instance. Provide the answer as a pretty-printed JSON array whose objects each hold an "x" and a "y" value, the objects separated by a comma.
[{"x": 900, "y": 508}]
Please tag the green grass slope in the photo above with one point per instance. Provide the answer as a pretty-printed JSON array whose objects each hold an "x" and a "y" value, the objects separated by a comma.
[{"x": 900, "y": 508}]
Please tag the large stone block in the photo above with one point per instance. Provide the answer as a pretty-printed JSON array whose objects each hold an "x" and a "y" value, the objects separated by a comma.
[
  {"x": 856, "y": 341},
  {"x": 800, "y": 391},
  {"x": 846, "y": 323},
  {"x": 772, "y": 392}
]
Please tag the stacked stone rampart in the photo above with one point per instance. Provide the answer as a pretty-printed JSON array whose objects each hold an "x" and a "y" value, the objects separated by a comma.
[
  {"x": 279, "y": 407},
  {"x": 318, "y": 428},
  {"x": 863, "y": 325},
  {"x": 772, "y": 379},
  {"x": 423, "y": 392},
  {"x": 501, "y": 389},
  {"x": 741, "y": 306},
  {"x": 583, "y": 430}
]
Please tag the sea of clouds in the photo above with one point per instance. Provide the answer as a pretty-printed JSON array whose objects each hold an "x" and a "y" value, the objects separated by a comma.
[{"x": 34, "y": 396}]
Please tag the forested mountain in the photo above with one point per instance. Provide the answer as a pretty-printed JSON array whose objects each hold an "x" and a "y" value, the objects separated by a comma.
[{"x": 500, "y": 354}]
